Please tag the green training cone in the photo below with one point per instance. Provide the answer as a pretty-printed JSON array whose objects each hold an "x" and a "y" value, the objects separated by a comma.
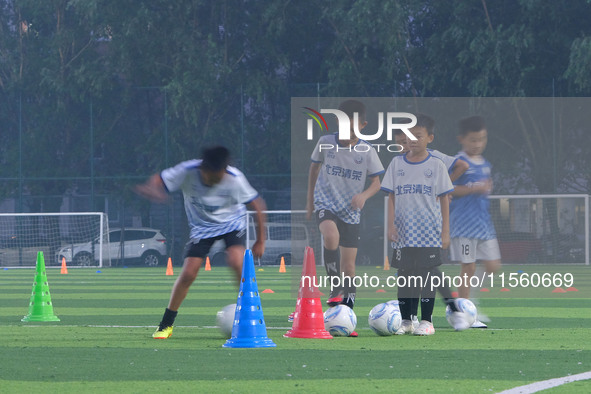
[{"x": 40, "y": 306}]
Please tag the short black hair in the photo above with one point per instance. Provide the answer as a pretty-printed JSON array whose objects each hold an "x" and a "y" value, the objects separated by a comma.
[
  {"x": 215, "y": 158},
  {"x": 426, "y": 122},
  {"x": 471, "y": 124},
  {"x": 351, "y": 106}
]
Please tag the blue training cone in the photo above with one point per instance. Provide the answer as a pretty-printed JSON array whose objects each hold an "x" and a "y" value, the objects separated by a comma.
[{"x": 249, "y": 329}]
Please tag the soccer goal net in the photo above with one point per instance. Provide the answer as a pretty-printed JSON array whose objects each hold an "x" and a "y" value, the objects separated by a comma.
[{"x": 78, "y": 237}]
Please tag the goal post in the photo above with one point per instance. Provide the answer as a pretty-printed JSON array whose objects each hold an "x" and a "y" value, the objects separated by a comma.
[
  {"x": 79, "y": 237},
  {"x": 537, "y": 228}
]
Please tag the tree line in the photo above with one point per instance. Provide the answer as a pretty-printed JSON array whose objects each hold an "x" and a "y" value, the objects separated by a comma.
[{"x": 111, "y": 89}]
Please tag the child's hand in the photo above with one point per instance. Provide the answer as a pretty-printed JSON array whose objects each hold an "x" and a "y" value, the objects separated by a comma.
[
  {"x": 393, "y": 233},
  {"x": 484, "y": 187},
  {"x": 358, "y": 202}
]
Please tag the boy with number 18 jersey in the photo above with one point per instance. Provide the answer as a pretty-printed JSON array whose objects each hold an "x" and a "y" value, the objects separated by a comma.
[{"x": 473, "y": 235}]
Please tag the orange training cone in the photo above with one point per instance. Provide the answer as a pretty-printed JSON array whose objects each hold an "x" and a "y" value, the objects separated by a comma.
[
  {"x": 207, "y": 264},
  {"x": 386, "y": 264},
  {"x": 282, "y": 265},
  {"x": 169, "y": 267},
  {"x": 308, "y": 319},
  {"x": 64, "y": 267}
]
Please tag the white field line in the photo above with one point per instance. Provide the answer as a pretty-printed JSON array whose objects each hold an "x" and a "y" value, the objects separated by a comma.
[{"x": 546, "y": 384}]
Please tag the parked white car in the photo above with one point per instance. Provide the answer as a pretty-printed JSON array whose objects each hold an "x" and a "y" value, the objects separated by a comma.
[
  {"x": 282, "y": 240},
  {"x": 144, "y": 245}
]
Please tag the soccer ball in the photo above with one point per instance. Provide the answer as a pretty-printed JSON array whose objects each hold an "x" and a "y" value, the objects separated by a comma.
[
  {"x": 394, "y": 303},
  {"x": 340, "y": 320},
  {"x": 385, "y": 319},
  {"x": 467, "y": 309},
  {"x": 225, "y": 320}
]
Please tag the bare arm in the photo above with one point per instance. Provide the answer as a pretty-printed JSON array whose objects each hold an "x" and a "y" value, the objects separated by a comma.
[
  {"x": 392, "y": 230},
  {"x": 258, "y": 205},
  {"x": 358, "y": 201},
  {"x": 475, "y": 188},
  {"x": 153, "y": 189},
  {"x": 458, "y": 169},
  {"x": 444, "y": 203},
  {"x": 312, "y": 178}
]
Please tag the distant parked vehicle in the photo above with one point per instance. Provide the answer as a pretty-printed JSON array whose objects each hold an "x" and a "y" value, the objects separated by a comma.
[
  {"x": 520, "y": 247},
  {"x": 282, "y": 240},
  {"x": 144, "y": 245}
]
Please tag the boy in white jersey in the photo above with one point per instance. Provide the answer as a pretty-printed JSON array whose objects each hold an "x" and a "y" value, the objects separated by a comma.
[
  {"x": 337, "y": 194},
  {"x": 472, "y": 231},
  {"x": 418, "y": 226},
  {"x": 215, "y": 195}
]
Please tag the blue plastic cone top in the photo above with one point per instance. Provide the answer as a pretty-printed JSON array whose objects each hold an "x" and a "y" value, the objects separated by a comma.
[{"x": 249, "y": 330}]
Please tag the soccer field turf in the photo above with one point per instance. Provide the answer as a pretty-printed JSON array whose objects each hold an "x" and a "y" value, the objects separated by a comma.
[{"x": 103, "y": 342}]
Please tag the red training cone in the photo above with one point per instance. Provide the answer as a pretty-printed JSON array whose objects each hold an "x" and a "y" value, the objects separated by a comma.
[{"x": 308, "y": 319}]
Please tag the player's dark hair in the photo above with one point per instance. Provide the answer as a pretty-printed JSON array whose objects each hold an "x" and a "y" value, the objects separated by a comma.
[
  {"x": 215, "y": 158},
  {"x": 471, "y": 124},
  {"x": 426, "y": 122},
  {"x": 351, "y": 106}
]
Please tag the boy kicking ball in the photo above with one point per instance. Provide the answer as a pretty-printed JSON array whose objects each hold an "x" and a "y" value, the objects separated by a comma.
[{"x": 215, "y": 195}]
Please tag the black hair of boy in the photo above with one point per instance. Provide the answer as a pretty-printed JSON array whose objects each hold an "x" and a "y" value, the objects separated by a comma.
[
  {"x": 426, "y": 122},
  {"x": 471, "y": 124},
  {"x": 351, "y": 106},
  {"x": 215, "y": 159}
]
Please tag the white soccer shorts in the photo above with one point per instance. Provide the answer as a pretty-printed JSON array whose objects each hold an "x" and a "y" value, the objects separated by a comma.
[{"x": 469, "y": 250}]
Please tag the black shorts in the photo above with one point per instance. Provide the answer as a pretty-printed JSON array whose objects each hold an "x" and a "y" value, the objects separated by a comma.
[
  {"x": 202, "y": 247},
  {"x": 348, "y": 232},
  {"x": 410, "y": 259}
]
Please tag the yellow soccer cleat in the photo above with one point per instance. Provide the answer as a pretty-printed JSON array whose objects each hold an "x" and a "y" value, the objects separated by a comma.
[{"x": 162, "y": 334}]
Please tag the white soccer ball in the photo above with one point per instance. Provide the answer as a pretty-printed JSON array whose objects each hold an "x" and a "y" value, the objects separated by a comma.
[
  {"x": 340, "y": 321},
  {"x": 385, "y": 319},
  {"x": 467, "y": 309},
  {"x": 225, "y": 320}
]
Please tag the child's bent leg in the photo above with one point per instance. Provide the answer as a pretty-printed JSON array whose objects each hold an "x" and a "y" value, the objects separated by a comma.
[
  {"x": 330, "y": 235},
  {"x": 348, "y": 256},
  {"x": 235, "y": 257}
]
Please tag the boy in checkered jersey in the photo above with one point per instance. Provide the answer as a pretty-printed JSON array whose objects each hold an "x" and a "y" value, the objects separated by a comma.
[
  {"x": 418, "y": 226},
  {"x": 473, "y": 235},
  {"x": 337, "y": 194}
]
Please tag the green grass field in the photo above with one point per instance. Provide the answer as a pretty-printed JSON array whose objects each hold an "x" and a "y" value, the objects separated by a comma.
[{"x": 103, "y": 342}]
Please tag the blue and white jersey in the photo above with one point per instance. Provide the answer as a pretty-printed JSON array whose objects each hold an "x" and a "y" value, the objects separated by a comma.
[
  {"x": 342, "y": 175},
  {"x": 417, "y": 211},
  {"x": 448, "y": 160},
  {"x": 469, "y": 215},
  {"x": 211, "y": 210}
]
